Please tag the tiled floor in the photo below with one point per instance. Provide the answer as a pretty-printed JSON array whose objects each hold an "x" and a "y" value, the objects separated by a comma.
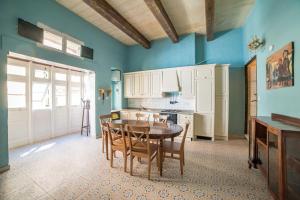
[{"x": 73, "y": 167}]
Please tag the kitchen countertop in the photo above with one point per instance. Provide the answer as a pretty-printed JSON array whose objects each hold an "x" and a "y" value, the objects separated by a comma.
[{"x": 153, "y": 110}]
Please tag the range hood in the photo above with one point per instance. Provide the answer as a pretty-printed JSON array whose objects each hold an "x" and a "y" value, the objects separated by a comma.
[{"x": 170, "y": 81}]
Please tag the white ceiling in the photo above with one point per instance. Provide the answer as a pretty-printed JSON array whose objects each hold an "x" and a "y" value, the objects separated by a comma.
[{"x": 187, "y": 16}]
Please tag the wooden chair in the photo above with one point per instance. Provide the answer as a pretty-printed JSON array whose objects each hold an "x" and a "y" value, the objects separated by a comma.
[
  {"x": 142, "y": 117},
  {"x": 104, "y": 119},
  {"x": 140, "y": 146},
  {"x": 160, "y": 118},
  {"x": 118, "y": 142},
  {"x": 176, "y": 148}
]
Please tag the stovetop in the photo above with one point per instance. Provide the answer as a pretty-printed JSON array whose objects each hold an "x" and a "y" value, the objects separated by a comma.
[{"x": 170, "y": 111}]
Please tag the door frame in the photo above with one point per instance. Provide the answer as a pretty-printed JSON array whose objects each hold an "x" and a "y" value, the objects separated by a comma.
[{"x": 254, "y": 58}]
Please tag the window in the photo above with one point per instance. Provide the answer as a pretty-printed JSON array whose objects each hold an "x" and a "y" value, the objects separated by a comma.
[
  {"x": 16, "y": 70},
  {"x": 16, "y": 94},
  {"x": 41, "y": 74},
  {"x": 60, "y": 77},
  {"x": 73, "y": 48},
  {"x": 53, "y": 40},
  {"x": 40, "y": 95},
  {"x": 75, "y": 96},
  {"x": 60, "y": 95},
  {"x": 75, "y": 79}
]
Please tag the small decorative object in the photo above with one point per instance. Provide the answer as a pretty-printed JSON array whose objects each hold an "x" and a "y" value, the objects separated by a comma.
[
  {"x": 255, "y": 43},
  {"x": 104, "y": 93},
  {"x": 280, "y": 68}
]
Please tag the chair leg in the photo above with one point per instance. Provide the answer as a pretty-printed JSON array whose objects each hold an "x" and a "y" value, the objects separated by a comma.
[
  {"x": 131, "y": 164},
  {"x": 181, "y": 163},
  {"x": 125, "y": 160},
  {"x": 183, "y": 158},
  {"x": 106, "y": 146},
  {"x": 111, "y": 158},
  {"x": 149, "y": 167}
]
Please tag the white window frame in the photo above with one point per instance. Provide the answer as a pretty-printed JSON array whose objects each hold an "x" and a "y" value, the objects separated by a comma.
[
  {"x": 60, "y": 83},
  {"x": 64, "y": 36},
  {"x": 41, "y": 66},
  {"x": 75, "y": 84},
  {"x": 22, "y": 79}
]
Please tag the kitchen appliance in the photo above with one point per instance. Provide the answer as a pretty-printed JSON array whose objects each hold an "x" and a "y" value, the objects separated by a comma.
[{"x": 172, "y": 115}]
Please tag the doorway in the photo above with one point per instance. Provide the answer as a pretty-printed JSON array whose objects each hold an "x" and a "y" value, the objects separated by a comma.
[
  {"x": 44, "y": 99},
  {"x": 251, "y": 94}
]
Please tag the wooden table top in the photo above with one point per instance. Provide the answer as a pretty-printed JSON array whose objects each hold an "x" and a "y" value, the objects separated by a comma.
[{"x": 156, "y": 132}]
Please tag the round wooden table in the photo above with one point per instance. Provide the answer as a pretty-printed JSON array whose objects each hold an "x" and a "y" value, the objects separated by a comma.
[{"x": 156, "y": 132}]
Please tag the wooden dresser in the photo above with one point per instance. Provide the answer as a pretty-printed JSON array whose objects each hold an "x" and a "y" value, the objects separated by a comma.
[{"x": 274, "y": 148}]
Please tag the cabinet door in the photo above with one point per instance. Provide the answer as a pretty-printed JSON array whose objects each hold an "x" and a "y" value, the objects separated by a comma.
[
  {"x": 273, "y": 171},
  {"x": 128, "y": 85},
  {"x": 156, "y": 83},
  {"x": 205, "y": 95},
  {"x": 203, "y": 125},
  {"x": 187, "y": 82},
  {"x": 137, "y": 85},
  {"x": 124, "y": 115},
  {"x": 182, "y": 120},
  {"x": 145, "y": 84},
  {"x": 221, "y": 117}
]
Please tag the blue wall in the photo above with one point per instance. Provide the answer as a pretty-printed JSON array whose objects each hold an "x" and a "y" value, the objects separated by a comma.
[
  {"x": 276, "y": 21},
  {"x": 108, "y": 53},
  {"x": 163, "y": 53}
]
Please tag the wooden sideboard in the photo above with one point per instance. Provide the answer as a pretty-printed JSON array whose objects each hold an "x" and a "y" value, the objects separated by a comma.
[{"x": 274, "y": 148}]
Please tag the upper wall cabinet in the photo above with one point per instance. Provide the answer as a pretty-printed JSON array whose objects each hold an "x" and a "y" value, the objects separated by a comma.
[
  {"x": 128, "y": 85},
  {"x": 143, "y": 84},
  {"x": 186, "y": 82},
  {"x": 156, "y": 84}
]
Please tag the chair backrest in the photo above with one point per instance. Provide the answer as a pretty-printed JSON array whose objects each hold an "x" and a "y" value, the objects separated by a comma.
[
  {"x": 160, "y": 118},
  {"x": 142, "y": 117},
  {"x": 116, "y": 131},
  {"x": 104, "y": 119},
  {"x": 139, "y": 138},
  {"x": 156, "y": 117},
  {"x": 184, "y": 135}
]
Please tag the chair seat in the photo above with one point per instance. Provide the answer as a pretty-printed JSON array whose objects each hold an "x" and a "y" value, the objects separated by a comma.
[
  {"x": 153, "y": 148},
  {"x": 171, "y": 147},
  {"x": 119, "y": 143}
]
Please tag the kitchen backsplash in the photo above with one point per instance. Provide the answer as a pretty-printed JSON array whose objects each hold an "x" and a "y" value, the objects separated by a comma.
[{"x": 163, "y": 103}]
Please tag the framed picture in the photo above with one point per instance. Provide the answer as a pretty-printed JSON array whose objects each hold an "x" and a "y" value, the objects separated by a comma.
[{"x": 280, "y": 68}]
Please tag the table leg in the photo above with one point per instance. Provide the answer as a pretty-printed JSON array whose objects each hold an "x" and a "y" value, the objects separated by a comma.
[
  {"x": 161, "y": 156},
  {"x": 172, "y": 140}
]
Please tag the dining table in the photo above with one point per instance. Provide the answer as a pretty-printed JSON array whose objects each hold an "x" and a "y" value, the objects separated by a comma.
[{"x": 157, "y": 132}]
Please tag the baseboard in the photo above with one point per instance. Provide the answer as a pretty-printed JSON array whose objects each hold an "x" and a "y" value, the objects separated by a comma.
[
  {"x": 4, "y": 168},
  {"x": 225, "y": 138}
]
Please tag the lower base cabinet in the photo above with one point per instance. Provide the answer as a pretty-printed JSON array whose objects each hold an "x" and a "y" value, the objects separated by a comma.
[
  {"x": 204, "y": 125},
  {"x": 182, "y": 119}
]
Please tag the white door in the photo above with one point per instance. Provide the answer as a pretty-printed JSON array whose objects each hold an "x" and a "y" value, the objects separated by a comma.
[
  {"x": 18, "y": 105},
  {"x": 204, "y": 95},
  {"x": 41, "y": 101},
  {"x": 187, "y": 83},
  {"x": 128, "y": 85},
  {"x": 156, "y": 84},
  {"x": 60, "y": 102},
  {"x": 75, "y": 95}
]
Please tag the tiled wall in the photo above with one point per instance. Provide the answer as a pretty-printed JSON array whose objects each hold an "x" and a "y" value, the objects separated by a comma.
[{"x": 163, "y": 103}]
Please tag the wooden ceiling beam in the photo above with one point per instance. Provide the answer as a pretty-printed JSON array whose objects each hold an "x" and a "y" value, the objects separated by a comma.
[
  {"x": 109, "y": 13},
  {"x": 210, "y": 17},
  {"x": 162, "y": 17}
]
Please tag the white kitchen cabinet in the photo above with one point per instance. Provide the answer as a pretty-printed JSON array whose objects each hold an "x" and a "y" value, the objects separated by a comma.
[
  {"x": 124, "y": 115},
  {"x": 128, "y": 85},
  {"x": 156, "y": 84},
  {"x": 187, "y": 83},
  {"x": 170, "y": 80},
  {"x": 137, "y": 85},
  {"x": 145, "y": 84},
  {"x": 182, "y": 119},
  {"x": 204, "y": 125}
]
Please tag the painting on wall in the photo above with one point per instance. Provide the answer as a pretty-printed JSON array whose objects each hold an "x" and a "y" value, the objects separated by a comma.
[{"x": 280, "y": 68}]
